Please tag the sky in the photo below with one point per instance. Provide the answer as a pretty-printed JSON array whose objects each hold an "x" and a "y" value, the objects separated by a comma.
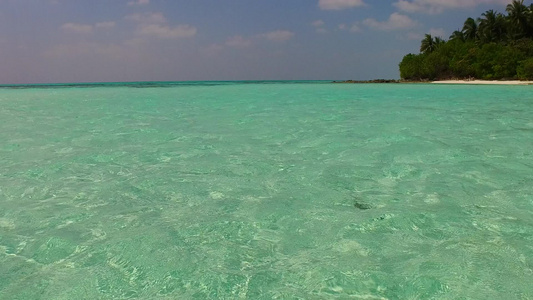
[{"x": 59, "y": 41}]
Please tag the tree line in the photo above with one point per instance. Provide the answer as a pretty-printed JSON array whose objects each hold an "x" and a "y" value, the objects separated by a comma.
[{"x": 492, "y": 47}]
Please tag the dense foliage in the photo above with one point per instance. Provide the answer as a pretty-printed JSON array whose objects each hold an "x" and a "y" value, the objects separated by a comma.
[{"x": 495, "y": 46}]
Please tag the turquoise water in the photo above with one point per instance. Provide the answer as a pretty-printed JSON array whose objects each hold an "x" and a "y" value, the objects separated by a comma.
[{"x": 266, "y": 191}]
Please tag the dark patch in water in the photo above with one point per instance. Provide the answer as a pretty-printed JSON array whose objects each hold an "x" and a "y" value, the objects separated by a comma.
[{"x": 362, "y": 205}]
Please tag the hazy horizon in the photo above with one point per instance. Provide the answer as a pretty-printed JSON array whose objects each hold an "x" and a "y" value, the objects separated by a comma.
[{"x": 58, "y": 41}]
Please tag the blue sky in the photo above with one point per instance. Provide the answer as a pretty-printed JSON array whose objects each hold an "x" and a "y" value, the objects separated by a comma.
[{"x": 43, "y": 41}]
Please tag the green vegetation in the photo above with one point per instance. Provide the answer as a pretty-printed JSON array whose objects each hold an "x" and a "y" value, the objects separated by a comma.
[{"x": 495, "y": 46}]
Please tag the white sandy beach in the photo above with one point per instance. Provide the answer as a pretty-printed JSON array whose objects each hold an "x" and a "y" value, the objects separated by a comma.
[{"x": 506, "y": 82}]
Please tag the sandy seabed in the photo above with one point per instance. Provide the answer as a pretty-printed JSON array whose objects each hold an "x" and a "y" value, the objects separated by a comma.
[{"x": 506, "y": 82}]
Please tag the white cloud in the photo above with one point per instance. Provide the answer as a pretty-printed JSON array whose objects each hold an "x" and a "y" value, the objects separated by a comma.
[
  {"x": 319, "y": 26},
  {"x": 155, "y": 25},
  {"x": 104, "y": 25},
  {"x": 147, "y": 18},
  {"x": 238, "y": 42},
  {"x": 167, "y": 32},
  {"x": 77, "y": 28},
  {"x": 86, "y": 28},
  {"x": 139, "y": 2},
  {"x": 355, "y": 28},
  {"x": 439, "y": 6},
  {"x": 396, "y": 21},
  {"x": 318, "y": 23},
  {"x": 278, "y": 35},
  {"x": 339, "y": 4}
]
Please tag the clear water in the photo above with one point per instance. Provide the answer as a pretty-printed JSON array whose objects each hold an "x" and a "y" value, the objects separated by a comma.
[{"x": 266, "y": 191}]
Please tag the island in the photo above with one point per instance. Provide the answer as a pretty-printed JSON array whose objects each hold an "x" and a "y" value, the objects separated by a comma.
[{"x": 493, "y": 47}]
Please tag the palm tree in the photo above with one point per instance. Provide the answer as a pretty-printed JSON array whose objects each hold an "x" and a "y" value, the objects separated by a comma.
[
  {"x": 501, "y": 27},
  {"x": 530, "y": 22},
  {"x": 470, "y": 29},
  {"x": 491, "y": 27},
  {"x": 438, "y": 42},
  {"x": 518, "y": 18},
  {"x": 458, "y": 36},
  {"x": 430, "y": 44}
]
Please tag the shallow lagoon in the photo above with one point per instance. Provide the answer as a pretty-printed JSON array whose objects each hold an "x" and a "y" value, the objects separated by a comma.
[{"x": 266, "y": 190}]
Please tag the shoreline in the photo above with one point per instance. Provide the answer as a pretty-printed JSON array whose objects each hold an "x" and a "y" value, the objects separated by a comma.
[
  {"x": 457, "y": 81},
  {"x": 484, "y": 82}
]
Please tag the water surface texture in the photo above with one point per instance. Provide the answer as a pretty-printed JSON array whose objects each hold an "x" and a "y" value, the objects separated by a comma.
[{"x": 266, "y": 191}]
